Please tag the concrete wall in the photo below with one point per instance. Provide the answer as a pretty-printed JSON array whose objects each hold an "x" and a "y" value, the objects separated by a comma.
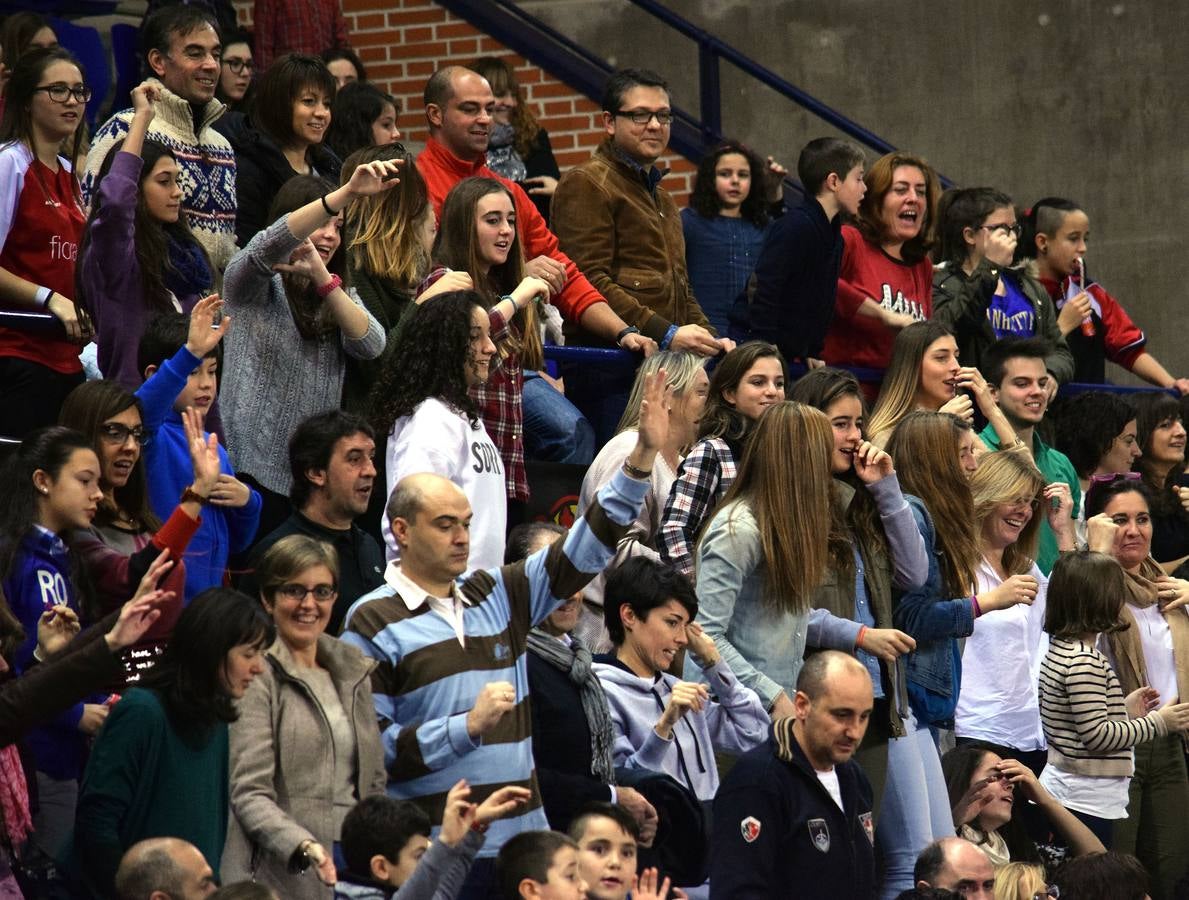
[{"x": 1076, "y": 98}]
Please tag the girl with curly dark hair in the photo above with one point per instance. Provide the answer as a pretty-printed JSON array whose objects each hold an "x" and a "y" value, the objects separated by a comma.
[
  {"x": 735, "y": 196},
  {"x": 422, "y": 402}
]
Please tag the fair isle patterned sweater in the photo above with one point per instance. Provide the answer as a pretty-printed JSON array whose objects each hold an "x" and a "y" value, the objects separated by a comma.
[{"x": 205, "y": 158}]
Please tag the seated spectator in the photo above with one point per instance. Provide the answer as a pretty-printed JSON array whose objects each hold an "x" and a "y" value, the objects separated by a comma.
[
  {"x": 387, "y": 848},
  {"x": 221, "y": 12},
  {"x": 518, "y": 148},
  {"x": 925, "y": 374},
  {"x": 282, "y": 138},
  {"x": 745, "y": 382},
  {"x": 361, "y": 116},
  {"x": 1090, "y": 728},
  {"x": 790, "y": 302},
  {"x": 164, "y": 868},
  {"x": 442, "y": 724},
  {"x": 136, "y": 218},
  {"x": 236, "y": 70},
  {"x": 1021, "y": 881},
  {"x": 1001, "y": 659},
  {"x": 332, "y": 461},
  {"x": 1152, "y": 650},
  {"x": 572, "y": 732},
  {"x": 423, "y": 406},
  {"x": 125, "y": 536},
  {"x": 686, "y": 378},
  {"x": 298, "y": 323},
  {"x": 345, "y": 65},
  {"x": 522, "y": 414},
  {"x": 975, "y": 292},
  {"x": 160, "y": 767},
  {"x": 1095, "y": 326},
  {"x": 181, "y": 50},
  {"x": 277, "y": 30},
  {"x": 986, "y": 788},
  {"x": 305, "y": 747},
  {"x": 797, "y": 808},
  {"x": 650, "y": 612},
  {"x": 41, "y": 224},
  {"x": 735, "y": 196},
  {"x": 1103, "y": 876},
  {"x": 24, "y": 31},
  {"x": 389, "y": 239},
  {"x": 885, "y": 281},
  {"x": 1098, "y": 432},
  {"x": 539, "y": 864},
  {"x": 608, "y": 840},
  {"x": 1022, "y": 388},
  {"x": 1161, "y": 435},
  {"x": 180, "y": 358},
  {"x": 953, "y": 863}
]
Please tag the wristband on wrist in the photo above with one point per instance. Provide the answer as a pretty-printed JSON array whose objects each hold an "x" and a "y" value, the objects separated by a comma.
[
  {"x": 631, "y": 329},
  {"x": 862, "y": 634},
  {"x": 668, "y": 338},
  {"x": 636, "y": 472},
  {"x": 42, "y": 297},
  {"x": 978, "y": 610},
  {"x": 326, "y": 206},
  {"x": 189, "y": 494},
  {"x": 512, "y": 300},
  {"x": 479, "y": 827},
  {"x": 329, "y": 288}
]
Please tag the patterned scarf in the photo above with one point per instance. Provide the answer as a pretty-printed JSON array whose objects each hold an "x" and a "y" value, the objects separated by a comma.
[
  {"x": 14, "y": 797},
  {"x": 502, "y": 157},
  {"x": 576, "y": 660}
]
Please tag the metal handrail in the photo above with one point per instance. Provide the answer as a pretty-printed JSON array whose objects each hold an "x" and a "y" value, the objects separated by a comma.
[{"x": 543, "y": 45}]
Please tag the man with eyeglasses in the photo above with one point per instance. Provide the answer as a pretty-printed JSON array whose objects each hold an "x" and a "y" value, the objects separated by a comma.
[
  {"x": 616, "y": 221},
  {"x": 183, "y": 50},
  {"x": 956, "y": 865}
]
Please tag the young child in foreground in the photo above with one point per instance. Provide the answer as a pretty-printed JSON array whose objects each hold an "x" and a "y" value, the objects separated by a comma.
[
  {"x": 608, "y": 840},
  {"x": 388, "y": 851}
]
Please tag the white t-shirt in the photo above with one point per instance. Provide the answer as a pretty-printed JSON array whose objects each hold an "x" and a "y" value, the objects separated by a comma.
[
  {"x": 1001, "y": 669},
  {"x": 438, "y": 439},
  {"x": 829, "y": 781},
  {"x": 1156, "y": 640},
  {"x": 1092, "y": 795}
]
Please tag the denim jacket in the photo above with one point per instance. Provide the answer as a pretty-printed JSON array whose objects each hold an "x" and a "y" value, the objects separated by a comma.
[{"x": 935, "y": 666}]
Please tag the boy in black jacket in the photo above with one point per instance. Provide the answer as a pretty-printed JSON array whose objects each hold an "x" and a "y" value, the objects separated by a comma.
[
  {"x": 796, "y": 811},
  {"x": 790, "y": 298}
]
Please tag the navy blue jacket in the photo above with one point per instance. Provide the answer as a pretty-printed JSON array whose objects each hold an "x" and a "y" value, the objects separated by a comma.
[
  {"x": 779, "y": 834},
  {"x": 790, "y": 300}
]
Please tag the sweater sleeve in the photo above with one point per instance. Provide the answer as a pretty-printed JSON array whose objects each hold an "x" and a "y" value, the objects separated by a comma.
[
  {"x": 109, "y": 134},
  {"x": 441, "y": 872},
  {"x": 371, "y": 345},
  {"x": 910, "y": 558},
  {"x": 1087, "y": 685},
  {"x": 1123, "y": 339},
  {"x": 783, "y": 257},
  {"x": 158, "y": 393},
  {"x": 250, "y": 273},
  {"x": 850, "y": 294},
  {"x": 689, "y": 502},
  {"x": 737, "y": 719}
]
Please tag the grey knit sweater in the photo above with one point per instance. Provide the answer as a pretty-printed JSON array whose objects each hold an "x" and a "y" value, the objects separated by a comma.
[{"x": 272, "y": 377}]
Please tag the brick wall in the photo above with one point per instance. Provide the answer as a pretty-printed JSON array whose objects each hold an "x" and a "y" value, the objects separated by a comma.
[{"x": 402, "y": 41}]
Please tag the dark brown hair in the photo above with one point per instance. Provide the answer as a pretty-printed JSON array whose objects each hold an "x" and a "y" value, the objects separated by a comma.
[
  {"x": 720, "y": 418},
  {"x": 282, "y": 85},
  {"x": 879, "y": 180},
  {"x": 502, "y": 78},
  {"x": 1086, "y": 593}
]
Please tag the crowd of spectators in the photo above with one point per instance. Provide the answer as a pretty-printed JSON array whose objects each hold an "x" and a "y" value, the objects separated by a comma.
[{"x": 274, "y": 612}]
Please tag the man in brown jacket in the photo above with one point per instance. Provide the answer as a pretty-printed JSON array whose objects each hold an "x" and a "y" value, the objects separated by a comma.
[{"x": 623, "y": 229}]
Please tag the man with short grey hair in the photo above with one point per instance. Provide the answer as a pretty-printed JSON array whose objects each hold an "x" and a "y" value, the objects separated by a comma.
[{"x": 164, "y": 869}]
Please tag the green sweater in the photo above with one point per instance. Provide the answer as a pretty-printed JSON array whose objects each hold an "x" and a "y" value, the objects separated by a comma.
[
  {"x": 143, "y": 780},
  {"x": 1054, "y": 466}
]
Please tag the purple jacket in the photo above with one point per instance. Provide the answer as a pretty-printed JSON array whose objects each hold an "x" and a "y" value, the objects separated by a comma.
[{"x": 110, "y": 275}]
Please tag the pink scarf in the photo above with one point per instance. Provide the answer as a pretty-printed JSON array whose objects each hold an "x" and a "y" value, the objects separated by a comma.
[{"x": 14, "y": 797}]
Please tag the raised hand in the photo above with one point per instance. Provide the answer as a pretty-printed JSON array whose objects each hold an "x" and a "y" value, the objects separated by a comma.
[
  {"x": 454, "y": 817},
  {"x": 653, "y": 429},
  {"x": 56, "y": 628},
  {"x": 702, "y": 646},
  {"x": 872, "y": 464},
  {"x": 136, "y": 618},
  {"x": 500, "y": 803},
  {"x": 774, "y": 176},
  {"x": 371, "y": 178},
  {"x": 1075, "y": 311},
  {"x": 645, "y": 887},
  {"x": 305, "y": 260},
  {"x": 230, "y": 491},
  {"x": 1058, "y": 506},
  {"x": 1101, "y": 532},
  {"x": 451, "y": 281},
  {"x": 686, "y": 696},
  {"x": 1020, "y": 776},
  {"x": 144, "y": 99},
  {"x": 961, "y": 406},
  {"x": 204, "y": 452},
  {"x": 1000, "y": 247},
  {"x": 977, "y": 798},
  {"x": 493, "y": 703},
  {"x": 204, "y": 334}
]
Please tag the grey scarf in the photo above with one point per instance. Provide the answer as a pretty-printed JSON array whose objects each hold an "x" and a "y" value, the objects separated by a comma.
[
  {"x": 502, "y": 157},
  {"x": 576, "y": 660}
]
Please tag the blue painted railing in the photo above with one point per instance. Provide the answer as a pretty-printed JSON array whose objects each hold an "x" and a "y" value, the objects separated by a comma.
[{"x": 572, "y": 63}]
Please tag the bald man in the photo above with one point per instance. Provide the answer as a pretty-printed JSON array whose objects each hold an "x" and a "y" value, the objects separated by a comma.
[
  {"x": 797, "y": 809},
  {"x": 164, "y": 869},
  {"x": 957, "y": 865},
  {"x": 451, "y": 687}
]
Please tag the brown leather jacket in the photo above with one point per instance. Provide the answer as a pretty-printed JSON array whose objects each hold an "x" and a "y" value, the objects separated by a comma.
[{"x": 628, "y": 241}]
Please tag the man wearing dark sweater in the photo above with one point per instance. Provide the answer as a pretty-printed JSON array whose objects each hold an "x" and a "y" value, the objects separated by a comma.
[
  {"x": 790, "y": 300},
  {"x": 331, "y": 455},
  {"x": 797, "y": 809}
]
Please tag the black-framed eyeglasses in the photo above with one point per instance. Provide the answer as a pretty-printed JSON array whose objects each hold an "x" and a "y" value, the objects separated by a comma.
[
  {"x": 60, "y": 92},
  {"x": 1005, "y": 228},
  {"x": 297, "y": 592},
  {"x": 238, "y": 65},
  {"x": 116, "y": 433},
  {"x": 644, "y": 116}
]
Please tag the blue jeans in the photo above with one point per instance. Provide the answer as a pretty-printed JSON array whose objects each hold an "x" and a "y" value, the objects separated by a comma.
[
  {"x": 916, "y": 806},
  {"x": 554, "y": 429}
]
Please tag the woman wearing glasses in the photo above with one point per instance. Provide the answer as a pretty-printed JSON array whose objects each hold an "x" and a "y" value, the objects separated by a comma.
[
  {"x": 236, "y": 69},
  {"x": 305, "y": 748},
  {"x": 1153, "y": 651},
  {"x": 974, "y": 291},
  {"x": 41, "y": 224}
]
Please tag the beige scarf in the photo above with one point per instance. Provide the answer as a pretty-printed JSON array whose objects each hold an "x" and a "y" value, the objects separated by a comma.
[
  {"x": 1126, "y": 648},
  {"x": 990, "y": 842}
]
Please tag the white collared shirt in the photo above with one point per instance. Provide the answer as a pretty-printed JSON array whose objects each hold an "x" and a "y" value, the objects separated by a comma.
[{"x": 449, "y": 608}]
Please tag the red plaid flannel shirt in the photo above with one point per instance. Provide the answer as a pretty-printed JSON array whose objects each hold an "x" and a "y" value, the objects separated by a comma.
[{"x": 308, "y": 26}]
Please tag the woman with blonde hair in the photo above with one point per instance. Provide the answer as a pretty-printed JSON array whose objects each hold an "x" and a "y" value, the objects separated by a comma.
[
  {"x": 305, "y": 748},
  {"x": 1020, "y": 881},
  {"x": 758, "y": 566},
  {"x": 925, "y": 374},
  {"x": 688, "y": 386},
  {"x": 998, "y": 705}
]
